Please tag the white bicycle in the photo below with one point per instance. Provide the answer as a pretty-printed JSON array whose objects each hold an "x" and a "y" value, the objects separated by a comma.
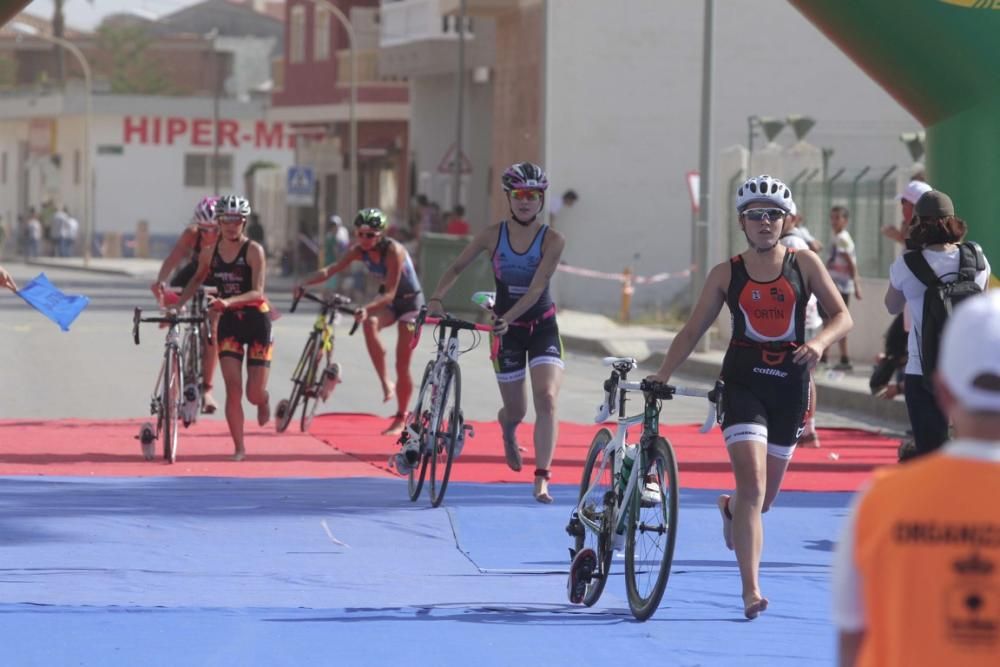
[{"x": 629, "y": 495}]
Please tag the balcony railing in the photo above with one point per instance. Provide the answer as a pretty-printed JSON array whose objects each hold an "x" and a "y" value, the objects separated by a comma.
[{"x": 410, "y": 21}]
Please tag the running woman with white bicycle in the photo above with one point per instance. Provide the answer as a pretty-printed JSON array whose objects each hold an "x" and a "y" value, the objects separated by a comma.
[
  {"x": 766, "y": 368},
  {"x": 524, "y": 255},
  {"x": 201, "y": 232},
  {"x": 236, "y": 267},
  {"x": 399, "y": 300}
]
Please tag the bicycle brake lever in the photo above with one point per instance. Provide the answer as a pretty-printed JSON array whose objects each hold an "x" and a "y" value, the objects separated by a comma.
[
  {"x": 354, "y": 328},
  {"x": 136, "y": 316}
]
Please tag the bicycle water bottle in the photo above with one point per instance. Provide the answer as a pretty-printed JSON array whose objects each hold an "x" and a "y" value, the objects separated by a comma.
[{"x": 628, "y": 458}]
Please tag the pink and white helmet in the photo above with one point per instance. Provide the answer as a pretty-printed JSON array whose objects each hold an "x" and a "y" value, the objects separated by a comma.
[
  {"x": 204, "y": 212},
  {"x": 524, "y": 176}
]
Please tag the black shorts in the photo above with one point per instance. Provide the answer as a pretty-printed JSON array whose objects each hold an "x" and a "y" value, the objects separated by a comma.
[
  {"x": 247, "y": 327},
  {"x": 521, "y": 347},
  {"x": 766, "y": 398},
  {"x": 406, "y": 306}
]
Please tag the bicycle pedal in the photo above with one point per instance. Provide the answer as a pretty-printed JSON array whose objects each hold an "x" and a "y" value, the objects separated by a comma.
[
  {"x": 470, "y": 431},
  {"x": 581, "y": 573}
]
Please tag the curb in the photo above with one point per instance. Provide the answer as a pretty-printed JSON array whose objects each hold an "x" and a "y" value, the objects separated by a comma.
[
  {"x": 82, "y": 269},
  {"x": 831, "y": 395}
]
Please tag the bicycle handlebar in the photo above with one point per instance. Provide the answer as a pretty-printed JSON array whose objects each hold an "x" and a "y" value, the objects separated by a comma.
[
  {"x": 663, "y": 391},
  {"x": 337, "y": 302},
  {"x": 447, "y": 321},
  {"x": 170, "y": 318}
]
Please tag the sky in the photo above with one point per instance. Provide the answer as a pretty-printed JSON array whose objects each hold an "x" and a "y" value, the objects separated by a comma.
[{"x": 86, "y": 15}]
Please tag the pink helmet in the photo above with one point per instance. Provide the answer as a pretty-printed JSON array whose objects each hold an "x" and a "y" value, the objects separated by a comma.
[
  {"x": 204, "y": 212},
  {"x": 524, "y": 176}
]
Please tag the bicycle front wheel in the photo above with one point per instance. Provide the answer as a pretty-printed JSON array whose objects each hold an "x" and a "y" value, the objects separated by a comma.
[
  {"x": 310, "y": 388},
  {"x": 298, "y": 384},
  {"x": 420, "y": 422},
  {"x": 597, "y": 493},
  {"x": 172, "y": 393},
  {"x": 447, "y": 431},
  {"x": 651, "y": 529},
  {"x": 191, "y": 360}
]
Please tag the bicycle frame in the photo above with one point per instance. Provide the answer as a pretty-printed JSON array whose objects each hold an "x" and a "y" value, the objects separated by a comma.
[{"x": 616, "y": 391}]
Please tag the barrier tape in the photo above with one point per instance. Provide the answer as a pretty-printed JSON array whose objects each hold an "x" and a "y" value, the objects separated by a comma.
[{"x": 621, "y": 277}]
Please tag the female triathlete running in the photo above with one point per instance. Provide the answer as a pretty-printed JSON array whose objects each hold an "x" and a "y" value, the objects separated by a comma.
[
  {"x": 202, "y": 232},
  {"x": 766, "y": 369},
  {"x": 524, "y": 254},
  {"x": 236, "y": 266},
  {"x": 399, "y": 300}
]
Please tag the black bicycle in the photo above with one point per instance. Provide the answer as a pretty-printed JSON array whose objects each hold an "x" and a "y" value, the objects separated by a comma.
[
  {"x": 168, "y": 393},
  {"x": 308, "y": 379}
]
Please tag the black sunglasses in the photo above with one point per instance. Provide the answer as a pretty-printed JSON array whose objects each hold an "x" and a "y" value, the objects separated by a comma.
[{"x": 758, "y": 214}]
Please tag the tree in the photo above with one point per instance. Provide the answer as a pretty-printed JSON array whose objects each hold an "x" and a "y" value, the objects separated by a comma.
[{"x": 128, "y": 66}]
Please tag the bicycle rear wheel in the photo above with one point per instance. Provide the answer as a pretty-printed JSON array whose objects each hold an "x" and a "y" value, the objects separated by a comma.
[
  {"x": 597, "y": 490},
  {"x": 447, "y": 430},
  {"x": 310, "y": 388},
  {"x": 651, "y": 529},
  {"x": 421, "y": 424},
  {"x": 298, "y": 379},
  {"x": 172, "y": 393}
]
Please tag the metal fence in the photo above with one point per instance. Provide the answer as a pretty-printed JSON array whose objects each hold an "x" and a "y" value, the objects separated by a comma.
[{"x": 869, "y": 194}]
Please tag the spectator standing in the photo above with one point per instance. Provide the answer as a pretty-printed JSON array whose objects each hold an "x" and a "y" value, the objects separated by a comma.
[
  {"x": 457, "y": 224},
  {"x": 936, "y": 232},
  {"x": 567, "y": 200},
  {"x": 34, "y": 237},
  {"x": 916, "y": 576},
  {"x": 71, "y": 232},
  {"x": 843, "y": 267},
  {"x": 57, "y": 232}
]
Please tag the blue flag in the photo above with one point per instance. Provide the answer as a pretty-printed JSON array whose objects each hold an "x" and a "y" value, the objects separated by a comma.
[{"x": 46, "y": 298}]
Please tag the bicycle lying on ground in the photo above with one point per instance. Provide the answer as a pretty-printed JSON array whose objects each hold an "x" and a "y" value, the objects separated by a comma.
[
  {"x": 310, "y": 383},
  {"x": 629, "y": 494},
  {"x": 171, "y": 396},
  {"x": 435, "y": 430}
]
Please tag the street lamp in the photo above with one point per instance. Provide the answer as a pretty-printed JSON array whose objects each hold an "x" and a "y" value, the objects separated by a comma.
[
  {"x": 353, "y": 119},
  {"x": 914, "y": 143},
  {"x": 771, "y": 128},
  {"x": 88, "y": 227},
  {"x": 800, "y": 125}
]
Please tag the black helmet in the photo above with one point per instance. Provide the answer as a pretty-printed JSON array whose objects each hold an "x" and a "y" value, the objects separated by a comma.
[{"x": 371, "y": 217}]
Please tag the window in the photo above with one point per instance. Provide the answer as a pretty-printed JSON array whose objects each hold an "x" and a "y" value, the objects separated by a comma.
[
  {"x": 321, "y": 38},
  {"x": 198, "y": 171},
  {"x": 297, "y": 34}
]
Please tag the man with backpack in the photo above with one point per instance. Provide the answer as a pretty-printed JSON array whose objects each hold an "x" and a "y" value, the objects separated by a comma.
[{"x": 940, "y": 272}]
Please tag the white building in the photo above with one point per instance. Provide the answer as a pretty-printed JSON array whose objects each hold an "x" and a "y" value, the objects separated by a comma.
[{"x": 151, "y": 161}]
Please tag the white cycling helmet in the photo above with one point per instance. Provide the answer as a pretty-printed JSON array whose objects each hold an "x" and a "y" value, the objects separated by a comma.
[
  {"x": 232, "y": 205},
  {"x": 763, "y": 189}
]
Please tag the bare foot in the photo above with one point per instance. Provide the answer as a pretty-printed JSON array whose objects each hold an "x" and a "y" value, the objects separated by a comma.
[
  {"x": 541, "y": 491},
  {"x": 754, "y": 606},
  {"x": 388, "y": 392},
  {"x": 397, "y": 424},
  {"x": 208, "y": 405},
  {"x": 727, "y": 523},
  {"x": 809, "y": 440},
  {"x": 239, "y": 455},
  {"x": 510, "y": 449},
  {"x": 264, "y": 412}
]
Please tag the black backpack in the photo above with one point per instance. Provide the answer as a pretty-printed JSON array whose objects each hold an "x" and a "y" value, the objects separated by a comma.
[{"x": 941, "y": 298}]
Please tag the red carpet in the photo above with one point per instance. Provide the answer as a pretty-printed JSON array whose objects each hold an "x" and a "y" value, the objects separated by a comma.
[{"x": 349, "y": 445}]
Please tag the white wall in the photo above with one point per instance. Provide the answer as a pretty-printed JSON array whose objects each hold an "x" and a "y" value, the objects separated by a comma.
[
  {"x": 623, "y": 87},
  {"x": 434, "y": 107}
]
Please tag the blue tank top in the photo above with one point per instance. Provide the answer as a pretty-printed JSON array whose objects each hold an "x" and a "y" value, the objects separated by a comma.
[
  {"x": 514, "y": 271},
  {"x": 409, "y": 284}
]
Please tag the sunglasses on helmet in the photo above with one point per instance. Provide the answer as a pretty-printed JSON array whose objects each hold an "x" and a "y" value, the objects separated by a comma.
[
  {"x": 526, "y": 195},
  {"x": 758, "y": 214}
]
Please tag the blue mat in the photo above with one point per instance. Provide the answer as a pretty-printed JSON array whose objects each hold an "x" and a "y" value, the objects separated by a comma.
[{"x": 220, "y": 571}]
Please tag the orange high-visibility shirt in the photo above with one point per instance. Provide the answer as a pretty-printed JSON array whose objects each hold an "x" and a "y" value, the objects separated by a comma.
[{"x": 927, "y": 547}]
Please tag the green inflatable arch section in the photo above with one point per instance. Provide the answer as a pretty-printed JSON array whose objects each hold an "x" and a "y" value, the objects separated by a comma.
[{"x": 940, "y": 59}]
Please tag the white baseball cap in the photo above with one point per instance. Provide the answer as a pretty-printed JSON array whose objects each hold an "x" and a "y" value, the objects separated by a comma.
[
  {"x": 970, "y": 353},
  {"x": 914, "y": 190}
]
